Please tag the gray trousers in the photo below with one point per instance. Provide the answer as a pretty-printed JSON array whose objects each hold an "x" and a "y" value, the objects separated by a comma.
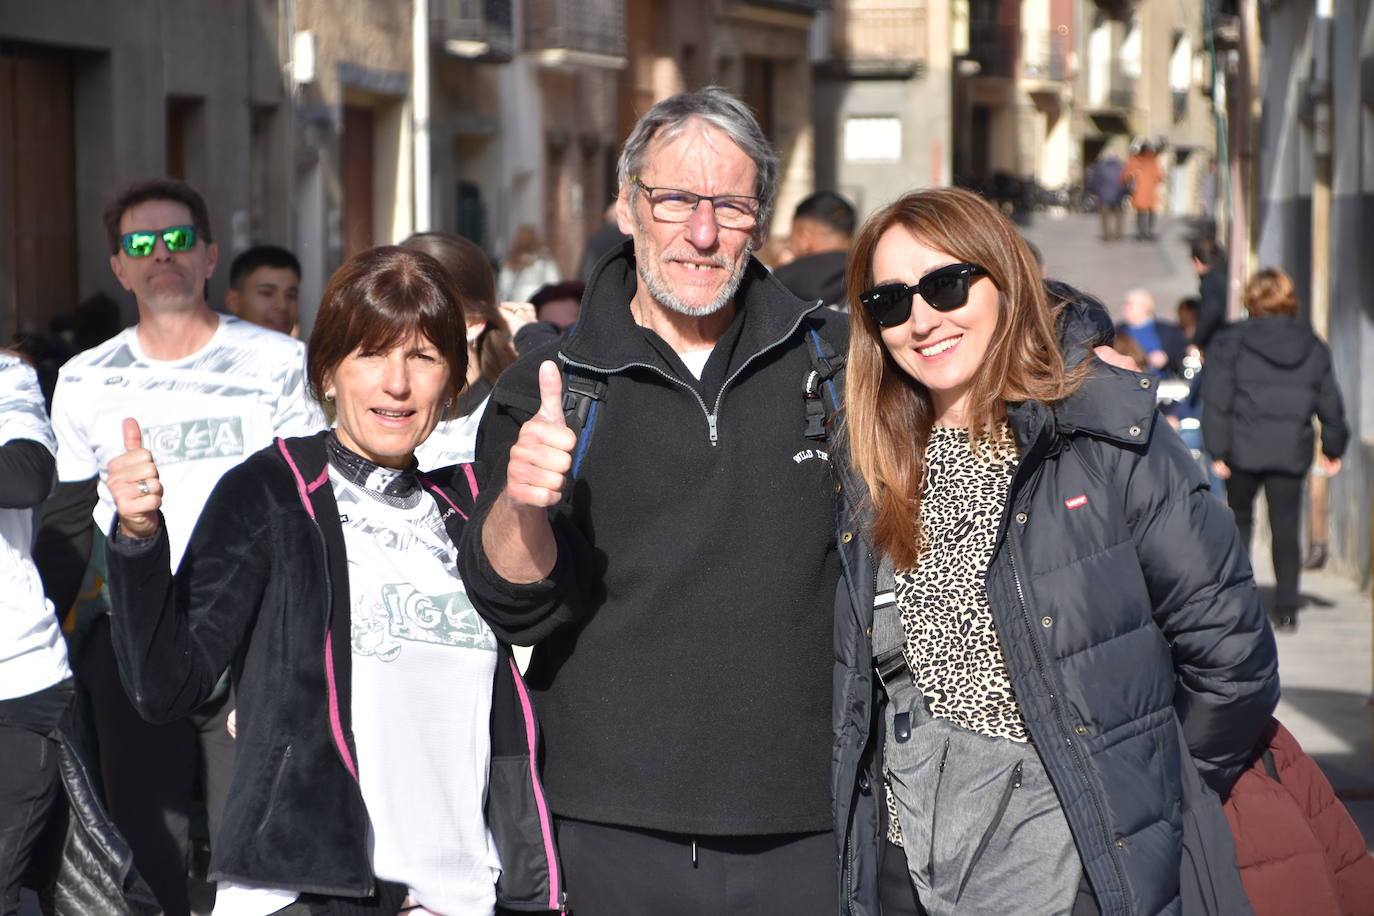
[{"x": 981, "y": 825}]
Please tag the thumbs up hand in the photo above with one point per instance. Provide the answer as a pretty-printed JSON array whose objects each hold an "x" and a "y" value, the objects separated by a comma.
[
  {"x": 542, "y": 454},
  {"x": 134, "y": 484}
]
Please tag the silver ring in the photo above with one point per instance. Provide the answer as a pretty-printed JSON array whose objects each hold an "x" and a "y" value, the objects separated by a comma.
[{"x": 144, "y": 488}]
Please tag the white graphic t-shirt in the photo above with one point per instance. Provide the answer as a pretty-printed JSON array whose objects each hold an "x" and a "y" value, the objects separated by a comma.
[
  {"x": 453, "y": 441},
  {"x": 423, "y": 663},
  {"x": 200, "y": 415},
  {"x": 33, "y": 655}
]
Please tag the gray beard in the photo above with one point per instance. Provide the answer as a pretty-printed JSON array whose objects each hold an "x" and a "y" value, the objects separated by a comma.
[{"x": 669, "y": 300}]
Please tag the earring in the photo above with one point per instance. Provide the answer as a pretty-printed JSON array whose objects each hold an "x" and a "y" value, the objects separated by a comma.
[{"x": 329, "y": 395}]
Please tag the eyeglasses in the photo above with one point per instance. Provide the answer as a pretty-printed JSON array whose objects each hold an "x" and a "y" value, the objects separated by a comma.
[
  {"x": 141, "y": 244},
  {"x": 672, "y": 205},
  {"x": 944, "y": 289}
]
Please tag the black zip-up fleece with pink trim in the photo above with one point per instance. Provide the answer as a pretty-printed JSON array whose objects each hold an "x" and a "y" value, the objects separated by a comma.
[{"x": 263, "y": 590}]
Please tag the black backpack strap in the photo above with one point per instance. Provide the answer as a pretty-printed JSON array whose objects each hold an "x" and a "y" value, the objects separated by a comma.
[
  {"x": 583, "y": 393},
  {"x": 820, "y": 385}
]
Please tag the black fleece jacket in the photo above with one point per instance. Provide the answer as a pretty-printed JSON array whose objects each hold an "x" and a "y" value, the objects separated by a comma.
[
  {"x": 263, "y": 589},
  {"x": 27, "y": 473},
  {"x": 816, "y": 276},
  {"x": 1265, "y": 379},
  {"x": 685, "y": 681}
]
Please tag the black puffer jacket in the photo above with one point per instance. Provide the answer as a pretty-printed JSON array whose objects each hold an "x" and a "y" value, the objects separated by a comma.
[
  {"x": 1265, "y": 379},
  {"x": 1124, "y": 606},
  {"x": 263, "y": 590}
]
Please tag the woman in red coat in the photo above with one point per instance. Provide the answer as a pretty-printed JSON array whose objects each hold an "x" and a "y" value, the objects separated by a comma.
[{"x": 1298, "y": 849}]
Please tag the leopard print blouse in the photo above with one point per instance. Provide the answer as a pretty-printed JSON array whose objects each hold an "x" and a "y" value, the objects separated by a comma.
[{"x": 951, "y": 640}]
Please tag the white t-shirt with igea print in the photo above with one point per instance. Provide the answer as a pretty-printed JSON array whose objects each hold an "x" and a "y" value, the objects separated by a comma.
[
  {"x": 200, "y": 415},
  {"x": 421, "y": 689},
  {"x": 33, "y": 655},
  {"x": 423, "y": 663}
]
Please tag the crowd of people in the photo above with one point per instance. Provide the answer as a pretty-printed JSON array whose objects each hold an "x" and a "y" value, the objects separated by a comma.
[{"x": 875, "y": 583}]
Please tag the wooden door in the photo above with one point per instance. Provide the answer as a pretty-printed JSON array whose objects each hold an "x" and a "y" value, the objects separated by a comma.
[
  {"x": 37, "y": 191},
  {"x": 356, "y": 174}
]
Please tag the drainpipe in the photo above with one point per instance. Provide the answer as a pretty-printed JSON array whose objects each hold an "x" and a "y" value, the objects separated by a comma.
[
  {"x": 422, "y": 217},
  {"x": 1217, "y": 80},
  {"x": 1318, "y": 518},
  {"x": 1321, "y": 168}
]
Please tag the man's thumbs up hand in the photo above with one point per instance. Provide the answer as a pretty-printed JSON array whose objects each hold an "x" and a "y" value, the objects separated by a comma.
[
  {"x": 542, "y": 454},
  {"x": 134, "y": 484}
]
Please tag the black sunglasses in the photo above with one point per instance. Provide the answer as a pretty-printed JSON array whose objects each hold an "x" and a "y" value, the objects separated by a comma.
[{"x": 944, "y": 289}]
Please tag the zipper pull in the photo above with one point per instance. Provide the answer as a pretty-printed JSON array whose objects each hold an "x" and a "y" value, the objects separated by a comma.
[
  {"x": 711, "y": 424},
  {"x": 1016, "y": 776}
]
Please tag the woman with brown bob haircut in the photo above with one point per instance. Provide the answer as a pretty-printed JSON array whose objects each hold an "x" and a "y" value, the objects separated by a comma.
[
  {"x": 1069, "y": 644},
  {"x": 384, "y": 742},
  {"x": 1266, "y": 378}
]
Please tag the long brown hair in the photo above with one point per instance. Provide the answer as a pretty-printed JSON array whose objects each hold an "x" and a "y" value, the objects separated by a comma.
[
  {"x": 525, "y": 248},
  {"x": 471, "y": 270},
  {"x": 888, "y": 414}
]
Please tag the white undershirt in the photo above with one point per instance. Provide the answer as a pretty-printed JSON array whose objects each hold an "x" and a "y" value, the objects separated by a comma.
[{"x": 695, "y": 361}]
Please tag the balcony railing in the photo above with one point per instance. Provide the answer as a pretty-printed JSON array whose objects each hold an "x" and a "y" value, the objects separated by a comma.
[
  {"x": 479, "y": 29},
  {"x": 795, "y": 6},
  {"x": 1043, "y": 56},
  {"x": 595, "y": 27},
  {"x": 993, "y": 45},
  {"x": 1122, "y": 92},
  {"x": 1180, "y": 100},
  {"x": 881, "y": 35}
]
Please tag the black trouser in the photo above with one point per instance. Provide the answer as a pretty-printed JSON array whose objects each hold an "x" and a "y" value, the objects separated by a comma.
[
  {"x": 28, "y": 787},
  {"x": 1144, "y": 224},
  {"x": 1111, "y": 217},
  {"x": 146, "y": 771},
  {"x": 216, "y": 757},
  {"x": 619, "y": 871},
  {"x": 1283, "y": 493}
]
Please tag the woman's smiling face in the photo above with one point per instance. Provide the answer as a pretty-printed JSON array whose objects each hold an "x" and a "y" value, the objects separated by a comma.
[
  {"x": 389, "y": 401},
  {"x": 941, "y": 350}
]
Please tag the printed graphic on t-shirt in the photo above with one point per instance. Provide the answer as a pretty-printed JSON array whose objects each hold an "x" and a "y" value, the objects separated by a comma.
[
  {"x": 200, "y": 415},
  {"x": 192, "y": 440},
  {"x": 407, "y": 615}
]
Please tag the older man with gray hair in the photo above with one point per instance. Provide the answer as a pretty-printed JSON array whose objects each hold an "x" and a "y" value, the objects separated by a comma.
[{"x": 678, "y": 544}]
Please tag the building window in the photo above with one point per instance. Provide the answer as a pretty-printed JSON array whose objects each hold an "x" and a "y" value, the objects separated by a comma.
[
  {"x": 873, "y": 139},
  {"x": 759, "y": 80},
  {"x": 185, "y": 154}
]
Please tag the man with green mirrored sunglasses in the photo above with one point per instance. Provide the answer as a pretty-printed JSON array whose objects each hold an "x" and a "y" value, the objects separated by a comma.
[
  {"x": 142, "y": 243},
  {"x": 207, "y": 390}
]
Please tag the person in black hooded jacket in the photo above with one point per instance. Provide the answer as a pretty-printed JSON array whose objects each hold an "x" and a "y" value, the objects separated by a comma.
[{"x": 1265, "y": 379}]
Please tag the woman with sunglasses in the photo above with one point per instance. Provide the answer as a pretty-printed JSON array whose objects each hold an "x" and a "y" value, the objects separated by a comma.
[{"x": 1066, "y": 634}]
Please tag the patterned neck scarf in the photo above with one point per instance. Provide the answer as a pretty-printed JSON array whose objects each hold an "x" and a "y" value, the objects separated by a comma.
[{"x": 395, "y": 488}]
